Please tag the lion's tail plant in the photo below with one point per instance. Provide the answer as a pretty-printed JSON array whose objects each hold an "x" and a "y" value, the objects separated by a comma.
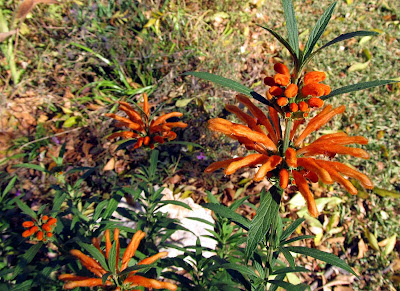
[{"x": 285, "y": 159}]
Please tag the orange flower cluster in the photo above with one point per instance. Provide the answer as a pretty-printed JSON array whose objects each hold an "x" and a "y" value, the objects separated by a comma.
[
  {"x": 42, "y": 228},
  {"x": 147, "y": 130},
  {"x": 130, "y": 280},
  {"x": 286, "y": 95},
  {"x": 265, "y": 138}
]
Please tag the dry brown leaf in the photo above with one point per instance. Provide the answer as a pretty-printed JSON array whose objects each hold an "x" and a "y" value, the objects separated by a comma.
[
  {"x": 110, "y": 165},
  {"x": 86, "y": 147},
  {"x": 5, "y": 35},
  {"x": 362, "y": 249},
  {"x": 396, "y": 265},
  {"x": 27, "y": 5}
]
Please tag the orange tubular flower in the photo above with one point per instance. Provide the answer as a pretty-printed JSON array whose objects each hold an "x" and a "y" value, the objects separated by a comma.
[
  {"x": 146, "y": 129},
  {"x": 296, "y": 160},
  {"x": 129, "y": 281},
  {"x": 40, "y": 228}
]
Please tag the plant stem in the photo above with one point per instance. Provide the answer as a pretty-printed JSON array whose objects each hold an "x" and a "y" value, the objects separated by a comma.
[{"x": 287, "y": 135}]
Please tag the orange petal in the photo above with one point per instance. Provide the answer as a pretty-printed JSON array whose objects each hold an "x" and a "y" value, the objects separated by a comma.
[
  {"x": 131, "y": 249},
  {"x": 146, "y": 108},
  {"x": 116, "y": 239},
  {"x": 108, "y": 242},
  {"x": 291, "y": 157},
  {"x": 164, "y": 117},
  {"x": 318, "y": 121},
  {"x": 220, "y": 125},
  {"x": 71, "y": 277},
  {"x": 337, "y": 177},
  {"x": 255, "y": 136},
  {"x": 132, "y": 114},
  {"x": 275, "y": 91},
  {"x": 249, "y": 160},
  {"x": 347, "y": 171},
  {"x": 143, "y": 281},
  {"x": 269, "y": 81},
  {"x": 27, "y": 224},
  {"x": 176, "y": 124},
  {"x": 152, "y": 259},
  {"x": 261, "y": 117},
  {"x": 314, "y": 77},
  {"x": 282, "y": 101},
  {"x": 313, "y": 89},
  {"x": 269, "y": 165},
  {"x": 131, "y": 124},
  {"x": 281, "y": 69},
  {"x": 302, "y": 185},
  {"x": 282, "y": 79},
  {"x": 311, "y": 165},
  {"x": 251, "y": 122},
  {"x": 330, "y": 149},
  {"x": 220, "y": 165},
  {"x": 283, "y": 178},
  {"x": 123, "y": 134},
  {"x": 275, "y": 121},
  {"x": 315, "y": 102},
  {"x": 291, "y": 91},
  {"x": 92, "y": 282},
  {"x": 89, "y": 263}
]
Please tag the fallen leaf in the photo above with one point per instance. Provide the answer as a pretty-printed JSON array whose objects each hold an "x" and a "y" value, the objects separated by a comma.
[
  {"x": 5, "y": 35},
  {"x": 362, "y": 249},
  {"x": 110, "y": 165}
]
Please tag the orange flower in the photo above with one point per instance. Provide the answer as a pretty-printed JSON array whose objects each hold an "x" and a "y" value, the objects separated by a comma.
[
  {"x": 297, "y": 159},
  {"x": 39, "y": 228},
  {"x": 281, "y": 88},
  {"x": 144, "y": 127},
  {"x": 129, "y": 281}
]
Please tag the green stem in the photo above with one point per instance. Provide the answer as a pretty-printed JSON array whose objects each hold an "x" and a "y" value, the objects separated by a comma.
[{"x": 287, "y": 135}]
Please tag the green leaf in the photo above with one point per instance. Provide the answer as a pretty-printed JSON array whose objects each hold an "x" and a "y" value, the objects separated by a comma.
[
  {"x": 153, "y": 162},
  {"x": 31, "y": 166},
  {"x": 244, "y": 270},
  {"x": 71, "y": 121},
  {"x": 358, "y": 67},
  {"x": 125, "y": 144},
  {"x": 288, "y": 256},
  {"x": 236, "y": 86},
  {"x": 173, "y": 202},
  {"x": 293, "y": 239},
  {"x": 201, "y": 220},
  {"x": 111, "y": 207},
  {"x": 26, "y": 285},
  {"x": 112, "y": 258},
  {"x": 265, "y": 215},
  {"x": 58, "y": 201},
  {"x": 282, "y": 41},
  {"x": 228, "y": 213},
  {"x": 107, "y": 61},
  {"x": 288, "y": 286},
  {"x": 386, "y": 193},
  {"x": 290, "y": 270},
  {"x": 357, "y": 87},
  {"x": 10, "y": 185},
  {"x": 291, "y": 26},
  {"x": 320, "y": 255},
  {"x": 291, "y": 228},
  {"x": 26, "y": 258},
  {"x": 95, "y": 253},
  {"x": 105, "y": 277},
  {"x": 26, "y": 209},
  {"x": 318, "y": 30},
  {"x": 183, "y": 102}
]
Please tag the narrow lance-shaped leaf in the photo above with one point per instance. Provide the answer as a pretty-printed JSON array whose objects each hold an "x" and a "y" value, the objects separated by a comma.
[
  {"x": 318, "y": 30},
  {"x": 320, "y": 255},
  {"x": 228, "y": 213},
  {"x": 291, "y": 26},
  {"x": 225, "y": 82},
  {"x": 282, "y": 41},
  {"x": 357, "y": 87},
  {"x": 291, "y": 228},
  {"x": 263, "y": 219},
  {"x": 348, "y": 35}
]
